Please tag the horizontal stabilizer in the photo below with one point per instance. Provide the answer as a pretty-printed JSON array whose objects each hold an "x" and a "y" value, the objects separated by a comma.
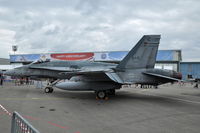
[
  {"x": 115, "y": 77},
  {"x": 161, "y": 76}
]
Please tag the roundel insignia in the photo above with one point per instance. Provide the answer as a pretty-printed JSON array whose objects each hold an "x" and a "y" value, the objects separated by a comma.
[{"x": 103, "y": 56}]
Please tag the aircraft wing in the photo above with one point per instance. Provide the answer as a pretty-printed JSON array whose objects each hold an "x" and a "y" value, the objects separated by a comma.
[
  {"x": 69, "y": 70},
  {"x": 54, "y": 68},
  {"x": 114, "y": 77},
  {"x": 87, "y": 71},
  {"x": 161, "y": 76}
]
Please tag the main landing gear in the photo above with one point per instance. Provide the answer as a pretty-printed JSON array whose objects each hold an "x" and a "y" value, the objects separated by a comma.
[{"x": 103, "y": 94}]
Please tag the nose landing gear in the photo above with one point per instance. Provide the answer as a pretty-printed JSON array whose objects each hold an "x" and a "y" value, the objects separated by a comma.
[
  {"x": 48, "y": 90},
  {"x": 49, "y": 87}
]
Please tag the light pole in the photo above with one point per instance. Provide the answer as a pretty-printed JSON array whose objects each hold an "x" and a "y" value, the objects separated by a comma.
[{"x": 14, "y": 48}]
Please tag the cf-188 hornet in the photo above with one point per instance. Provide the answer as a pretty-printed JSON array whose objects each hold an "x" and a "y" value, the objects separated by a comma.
[{"x": 137, "y": 67}]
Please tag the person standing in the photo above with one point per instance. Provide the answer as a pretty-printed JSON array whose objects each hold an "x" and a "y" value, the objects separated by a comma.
[
  {"x": 1, "y": 79},
  {"x": 196, "y": 83}
]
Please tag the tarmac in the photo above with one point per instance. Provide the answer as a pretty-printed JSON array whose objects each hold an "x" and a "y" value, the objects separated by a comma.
[{"x": 169, "y": 109}]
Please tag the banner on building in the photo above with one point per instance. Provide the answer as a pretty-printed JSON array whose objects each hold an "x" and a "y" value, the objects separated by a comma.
[{"x": 163, "y": 55}]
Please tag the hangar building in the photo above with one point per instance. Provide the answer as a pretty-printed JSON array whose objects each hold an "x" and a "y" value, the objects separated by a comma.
[
  {"x": 4, "y": 61},
  {"x": 4, "y": 64},
  {"x": 190, "y": 70},
  {"x": 166, "y": 59}
]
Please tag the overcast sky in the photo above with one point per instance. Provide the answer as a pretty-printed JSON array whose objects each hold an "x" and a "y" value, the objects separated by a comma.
[{"x": 42, "y": 26}]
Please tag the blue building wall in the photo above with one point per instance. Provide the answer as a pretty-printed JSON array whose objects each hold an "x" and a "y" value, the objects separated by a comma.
[
  {"x": 190, "y": 68},
  {"x": 165, "y": 55}
]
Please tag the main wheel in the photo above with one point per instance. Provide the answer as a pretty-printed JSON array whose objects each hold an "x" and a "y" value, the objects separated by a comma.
[{"x": 101, "y": 94}]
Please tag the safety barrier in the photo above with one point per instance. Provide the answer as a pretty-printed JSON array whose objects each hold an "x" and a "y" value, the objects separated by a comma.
[{"x": 20, "y": 125}]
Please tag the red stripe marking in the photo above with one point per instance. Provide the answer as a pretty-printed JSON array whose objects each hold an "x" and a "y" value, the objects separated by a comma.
[
  {"x": 2, "y": 113},
  {"x": 5, "y": 111},
  {"x": 54, "y": 124},
  {"x": 51, "y": 123},
  {"x": 31, "y": 118}
]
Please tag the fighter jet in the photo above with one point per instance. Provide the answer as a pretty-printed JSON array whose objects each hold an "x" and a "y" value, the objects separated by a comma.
[{"x": 103, "y": 78}]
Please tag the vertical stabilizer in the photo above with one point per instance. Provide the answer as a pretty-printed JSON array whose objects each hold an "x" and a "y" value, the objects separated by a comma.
[{"x": 143, "y": 55}]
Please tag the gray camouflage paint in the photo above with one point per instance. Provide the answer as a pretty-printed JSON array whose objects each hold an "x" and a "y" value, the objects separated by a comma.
[{"x": 136, "y": 67}]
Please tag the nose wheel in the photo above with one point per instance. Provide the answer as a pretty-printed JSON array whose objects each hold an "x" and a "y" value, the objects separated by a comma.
[
  {"x": 49, "y": 87},
  {"x": 48, "y": 90}
]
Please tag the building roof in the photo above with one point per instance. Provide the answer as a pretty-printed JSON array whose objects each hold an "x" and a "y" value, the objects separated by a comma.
[
  {"x": 190, "y": 62},
  {"x": 4, "y": 61}
]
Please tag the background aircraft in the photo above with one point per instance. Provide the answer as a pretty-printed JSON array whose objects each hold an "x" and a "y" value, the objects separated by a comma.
[{"x": 103, "y": 78}]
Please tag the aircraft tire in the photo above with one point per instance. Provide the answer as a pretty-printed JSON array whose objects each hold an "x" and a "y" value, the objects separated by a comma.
[{"x": 101, "y": 94}]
